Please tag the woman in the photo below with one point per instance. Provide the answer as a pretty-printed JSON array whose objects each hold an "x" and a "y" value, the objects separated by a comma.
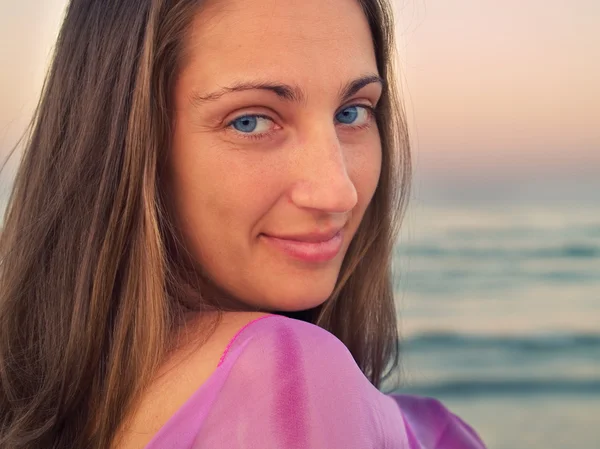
[{"x": 197, "y": 248}]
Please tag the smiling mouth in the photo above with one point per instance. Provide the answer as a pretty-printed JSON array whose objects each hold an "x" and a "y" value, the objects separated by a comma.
[{"x": 309, "y": 247}]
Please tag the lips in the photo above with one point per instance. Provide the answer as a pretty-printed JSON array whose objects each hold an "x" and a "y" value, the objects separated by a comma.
[
  {"x": 311, "y": 237},
  {"x": 310, "y": 247}
]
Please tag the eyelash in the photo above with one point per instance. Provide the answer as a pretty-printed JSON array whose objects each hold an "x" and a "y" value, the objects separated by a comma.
[{"x": 372, "y": 111}]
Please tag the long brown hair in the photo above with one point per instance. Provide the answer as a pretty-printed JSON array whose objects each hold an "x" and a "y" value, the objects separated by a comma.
[{"x": 92, "y": 284}]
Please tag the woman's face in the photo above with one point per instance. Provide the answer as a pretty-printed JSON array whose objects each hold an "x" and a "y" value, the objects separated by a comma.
[{"x": 274, "y": 145}]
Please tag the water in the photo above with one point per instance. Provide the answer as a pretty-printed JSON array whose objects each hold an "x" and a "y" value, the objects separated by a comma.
[{"x": 500, "y": 317}]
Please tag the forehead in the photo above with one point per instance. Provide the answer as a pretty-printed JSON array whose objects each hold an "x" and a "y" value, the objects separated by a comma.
[{"x": 304, "y": 41}]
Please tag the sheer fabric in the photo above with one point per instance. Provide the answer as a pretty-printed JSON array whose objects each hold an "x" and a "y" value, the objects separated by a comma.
[{"x": 287, "y": 384}]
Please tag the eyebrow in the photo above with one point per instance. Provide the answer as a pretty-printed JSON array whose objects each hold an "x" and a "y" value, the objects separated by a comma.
[{"x": 285, "y": 91}]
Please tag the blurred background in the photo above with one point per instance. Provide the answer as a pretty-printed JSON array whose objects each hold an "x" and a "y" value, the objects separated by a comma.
[{"x": 499, "y": 261}]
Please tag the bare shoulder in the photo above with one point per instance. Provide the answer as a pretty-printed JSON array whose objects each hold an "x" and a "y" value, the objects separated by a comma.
[
  {"x": 304, "y": 377},
  {"x": 300, "y": 347},
  {"x": 276, "y": 329}
]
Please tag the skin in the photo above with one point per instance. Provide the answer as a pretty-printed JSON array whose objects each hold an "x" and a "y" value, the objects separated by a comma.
[{"x": 310, "y": 169}]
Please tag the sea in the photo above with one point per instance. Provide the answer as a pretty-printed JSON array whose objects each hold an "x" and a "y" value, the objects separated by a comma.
[{"x": 499, "y": 312}]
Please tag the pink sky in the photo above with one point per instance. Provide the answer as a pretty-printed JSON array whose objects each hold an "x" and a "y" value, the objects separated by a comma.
[
  {"x": 497, "y": 93},
  {"x": 503, "y": 92}
]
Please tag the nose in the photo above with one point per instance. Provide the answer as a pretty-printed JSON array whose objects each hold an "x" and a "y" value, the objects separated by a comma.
[{"x": 321, "y": 174}]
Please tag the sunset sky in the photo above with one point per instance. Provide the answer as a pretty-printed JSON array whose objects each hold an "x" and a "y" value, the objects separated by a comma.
[{"x": 503, "y": 97}]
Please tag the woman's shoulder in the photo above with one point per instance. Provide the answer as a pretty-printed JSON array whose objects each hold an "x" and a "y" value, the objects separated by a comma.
[
  {"x": 266, "y": 325},
  {"x": 279, "y": 351},
  {"x": 290, "y": 383},
  {"x": 275, "y": 336},
  {"x": 273, "y": 325}
]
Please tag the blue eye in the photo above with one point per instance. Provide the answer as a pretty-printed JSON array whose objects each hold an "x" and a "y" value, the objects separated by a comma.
[
  {"x": 246, "y": 124},
  {"x": 349, "y": 115},
  {"x": 252, "y": 126}
]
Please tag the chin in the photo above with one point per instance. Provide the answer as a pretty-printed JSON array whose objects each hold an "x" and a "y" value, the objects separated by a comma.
[
  {"x": 284, "y": 293},
  {"x": 297, "y": 301},
  {"x": 288, "y": 300}
]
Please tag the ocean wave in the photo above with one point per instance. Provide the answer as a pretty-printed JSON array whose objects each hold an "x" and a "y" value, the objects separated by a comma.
[
  {"x": 519, "y": 232},
  {"x": 568, "y": 251},
  {"x": 533, "y": 343},
  {"x": 505, "y": 387}
]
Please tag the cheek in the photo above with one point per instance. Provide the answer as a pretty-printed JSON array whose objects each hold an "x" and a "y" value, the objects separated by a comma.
[{"x": 219, "y": 196}]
